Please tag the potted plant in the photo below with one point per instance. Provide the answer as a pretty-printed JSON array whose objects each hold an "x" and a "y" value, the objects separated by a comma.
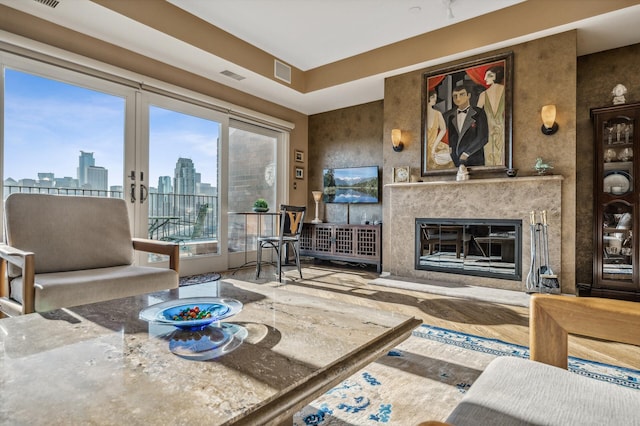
[{"x": 260, "y": 205}]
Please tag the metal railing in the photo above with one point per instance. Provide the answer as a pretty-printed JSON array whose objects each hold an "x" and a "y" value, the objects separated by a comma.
[{"x": 177, "y": 217}]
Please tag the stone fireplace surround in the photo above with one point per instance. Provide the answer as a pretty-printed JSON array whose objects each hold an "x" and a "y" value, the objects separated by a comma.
[{"x": 495, "y": 198}]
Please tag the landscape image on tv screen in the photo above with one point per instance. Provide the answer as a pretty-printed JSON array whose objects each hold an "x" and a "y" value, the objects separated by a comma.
[{"x": 351, "y": 185}]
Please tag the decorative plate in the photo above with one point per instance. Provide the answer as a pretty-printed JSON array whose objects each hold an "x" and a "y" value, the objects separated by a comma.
[
  {"x": 193, "y": 313},
  {"x": 617, "y": 178}
]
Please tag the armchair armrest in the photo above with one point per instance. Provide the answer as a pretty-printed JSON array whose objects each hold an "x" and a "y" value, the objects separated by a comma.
[
  {"x": 553, "y": 318},
  {"x": 25, "y": 261},
  {"x": 167, "y": 248}
]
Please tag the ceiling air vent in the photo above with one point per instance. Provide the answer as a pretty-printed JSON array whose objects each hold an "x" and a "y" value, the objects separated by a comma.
[
  {"x": 282, "y": 71},
  {"x": 51, "y": 3},
  {"x": 232, "y": 75}
]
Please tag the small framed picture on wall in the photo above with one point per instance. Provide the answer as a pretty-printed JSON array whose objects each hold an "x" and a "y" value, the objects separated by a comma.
[
  {"x": 299, "y": 156},
  {"x": 299, "y": 173}
]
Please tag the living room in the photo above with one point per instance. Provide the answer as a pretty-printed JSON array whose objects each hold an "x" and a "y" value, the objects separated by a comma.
[
  {"x": 548, "y": 69},
  {"x": 545, "y": 71}
]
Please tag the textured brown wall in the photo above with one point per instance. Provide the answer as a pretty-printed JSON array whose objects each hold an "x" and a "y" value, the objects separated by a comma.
[
  {"x": 544, "y": 72},
  {"x": 347, "y": 137},
  {"x": 597, "y": 75}
]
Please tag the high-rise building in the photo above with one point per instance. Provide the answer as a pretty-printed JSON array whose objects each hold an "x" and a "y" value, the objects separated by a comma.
[
  {"x": 164, "y": 185},
  {"x": 97, "y": 178},
  {"x": 86, "y": 160},
  {"x": 184, "y": 180}
]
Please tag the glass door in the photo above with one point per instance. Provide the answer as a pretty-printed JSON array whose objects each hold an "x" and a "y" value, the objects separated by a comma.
[
  {"x": 617, "y": 200},
  {"x": 180, "y": 181},
  {"x": 64, "y": 133},
  {"x": 254, "y": 155}
]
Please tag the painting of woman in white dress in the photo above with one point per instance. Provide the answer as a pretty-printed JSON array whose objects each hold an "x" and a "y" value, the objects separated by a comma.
[
  {"x": 438, "y": 150},
  {"x": 492, "y": 101}
]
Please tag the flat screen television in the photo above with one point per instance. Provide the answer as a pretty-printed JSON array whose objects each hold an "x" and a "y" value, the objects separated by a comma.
[{"x": 351, "y": 185}]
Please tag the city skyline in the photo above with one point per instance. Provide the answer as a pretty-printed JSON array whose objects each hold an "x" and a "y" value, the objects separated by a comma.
[
  {"x": 184, "y": 169},
  {"x": 48, "y": 122}
]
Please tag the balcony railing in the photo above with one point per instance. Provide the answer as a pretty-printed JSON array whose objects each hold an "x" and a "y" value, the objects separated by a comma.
[{"x": 174, "y": 217}]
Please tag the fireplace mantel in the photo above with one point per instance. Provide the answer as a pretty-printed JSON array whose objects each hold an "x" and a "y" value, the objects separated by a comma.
[
  {"x": 494, "y": 198},
  {"x": 490, "y": 181}
]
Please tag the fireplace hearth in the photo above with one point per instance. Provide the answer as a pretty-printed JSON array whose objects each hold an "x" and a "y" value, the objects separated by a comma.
[{"x": 478, "y": 247}]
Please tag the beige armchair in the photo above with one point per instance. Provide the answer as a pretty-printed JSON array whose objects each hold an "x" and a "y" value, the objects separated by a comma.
[{"x": 64, "y": 251}]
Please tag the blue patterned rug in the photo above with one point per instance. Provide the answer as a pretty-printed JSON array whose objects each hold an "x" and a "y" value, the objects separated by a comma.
[{"x": 425, "y": 377}]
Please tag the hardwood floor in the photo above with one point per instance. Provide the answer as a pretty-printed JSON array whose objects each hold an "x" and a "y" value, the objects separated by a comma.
[{"x": 499, "y": 321}]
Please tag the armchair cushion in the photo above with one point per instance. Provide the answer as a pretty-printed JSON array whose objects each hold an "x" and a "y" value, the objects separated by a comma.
[
  {"x": 515, "y": 391},
  {"x": 72, "y": 288},
  {"x": 69, "y": 235}
]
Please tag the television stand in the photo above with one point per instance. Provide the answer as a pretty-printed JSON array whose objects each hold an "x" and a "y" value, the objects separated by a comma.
[{"x": 346, "y": 242}]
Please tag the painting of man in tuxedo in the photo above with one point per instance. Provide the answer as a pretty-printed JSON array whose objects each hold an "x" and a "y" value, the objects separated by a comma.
[
  {"x": 485, "y": 87},
  {"x": 467, "y": 129}
]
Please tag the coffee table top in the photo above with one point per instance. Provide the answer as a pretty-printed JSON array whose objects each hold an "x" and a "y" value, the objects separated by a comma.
[{"x": 100, "y": 363}]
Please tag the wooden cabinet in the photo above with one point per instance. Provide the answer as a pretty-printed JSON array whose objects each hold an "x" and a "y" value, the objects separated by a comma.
[
  {"x": 349, "y": 243},
  {"x": 616, "y": 202}
]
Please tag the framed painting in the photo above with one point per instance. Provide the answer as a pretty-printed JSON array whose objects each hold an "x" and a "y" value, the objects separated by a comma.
[
  {"x": 299, "y": 156},
  {"x": 299, "y": 173},
  {"x": 466, "y": 116}
]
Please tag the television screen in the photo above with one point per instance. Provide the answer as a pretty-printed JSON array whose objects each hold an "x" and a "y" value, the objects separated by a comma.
[{"x": 351, "y": 185}]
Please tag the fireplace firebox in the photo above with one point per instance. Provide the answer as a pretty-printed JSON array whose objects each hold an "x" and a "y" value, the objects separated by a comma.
[{"x": 480, "y": 247}]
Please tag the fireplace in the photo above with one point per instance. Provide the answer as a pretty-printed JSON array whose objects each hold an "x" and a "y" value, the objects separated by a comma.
[
  {"x": 506, "y": 199},
  {"x": 478, "y": 247}
]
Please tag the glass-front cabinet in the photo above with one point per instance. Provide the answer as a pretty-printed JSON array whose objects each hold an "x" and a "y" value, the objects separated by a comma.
[{"x": 616, "y": 202}]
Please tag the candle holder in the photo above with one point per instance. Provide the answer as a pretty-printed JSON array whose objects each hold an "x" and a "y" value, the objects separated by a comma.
[{"x": 317, "y": 196}]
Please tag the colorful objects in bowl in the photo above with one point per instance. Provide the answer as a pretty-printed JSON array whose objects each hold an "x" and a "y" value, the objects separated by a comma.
[
  {"x": 194, "y": 317},
  {"x": 191, "y": 314}
]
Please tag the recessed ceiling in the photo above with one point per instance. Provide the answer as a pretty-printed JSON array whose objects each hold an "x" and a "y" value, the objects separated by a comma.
[
  {"x": 308, "y": 34},
  {"x": 311, "y": 33}
]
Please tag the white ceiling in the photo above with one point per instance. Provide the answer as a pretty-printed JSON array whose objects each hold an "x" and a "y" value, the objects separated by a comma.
[
  {"x": 336, "y": 29},
  {"x": 310, "y": 33}
]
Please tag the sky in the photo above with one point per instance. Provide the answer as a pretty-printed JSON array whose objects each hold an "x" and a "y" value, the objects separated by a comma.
[{"x": 48, "y": 123}]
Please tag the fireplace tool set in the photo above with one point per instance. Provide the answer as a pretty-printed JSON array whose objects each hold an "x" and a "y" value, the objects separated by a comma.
[{"x": 541, "y": 278}]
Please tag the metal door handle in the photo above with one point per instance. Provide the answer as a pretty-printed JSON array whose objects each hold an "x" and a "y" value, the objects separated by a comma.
[
  {"x": 144, "y": 193},
  {"x": 133, "y": 192}
]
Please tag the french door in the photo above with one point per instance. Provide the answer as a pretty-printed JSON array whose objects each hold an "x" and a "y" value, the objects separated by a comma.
[
  {"x": 64, "y": 133},
  {"x": 179, "y": 155},
  {"x": 72, "y": 134},
  {"x": 174, "y": 159}
]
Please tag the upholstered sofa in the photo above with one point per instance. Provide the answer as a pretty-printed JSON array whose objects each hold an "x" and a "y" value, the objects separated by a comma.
[
  {"x": 540, "y": 391},
  {"x": 63, "y": 251}
]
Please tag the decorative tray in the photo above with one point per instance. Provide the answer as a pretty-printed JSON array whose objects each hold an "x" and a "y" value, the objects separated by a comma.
[{"x": 194, "y": 313}]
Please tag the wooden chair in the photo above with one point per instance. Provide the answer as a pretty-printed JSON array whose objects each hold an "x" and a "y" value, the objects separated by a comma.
[
  {"x": 291, "y": 220},
  {"x": 63, "y": 251}
]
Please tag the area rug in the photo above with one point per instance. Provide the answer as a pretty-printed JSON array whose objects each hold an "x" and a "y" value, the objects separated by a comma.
[
  {"x": 425, "y": 377},
  {"x": 199, "y": 279}
]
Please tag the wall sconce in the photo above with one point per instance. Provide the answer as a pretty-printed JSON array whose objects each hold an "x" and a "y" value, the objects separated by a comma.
[
  {"x": 549, "y": 125},
  {"x": 317, "y": 196},
  {"x": 396, "y": 140}
]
